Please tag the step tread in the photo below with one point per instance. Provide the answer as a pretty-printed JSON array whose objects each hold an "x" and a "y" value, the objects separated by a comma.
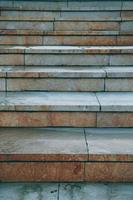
[
  {"x": 67, "y": 49},
  {"x": 48, "y": 101},
  {"x": 65, "y": 72},
  {"x": 51, "y": 72},
  {"x": 67, "y": 101},
  {"x": 63, "y": 144},
  {"x": 56, "y": 33}
]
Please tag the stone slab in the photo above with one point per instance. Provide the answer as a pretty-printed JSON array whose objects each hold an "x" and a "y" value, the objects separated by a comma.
[
  {"x": 11, "y": 59},
  {"x": 119, "y": 72},
  {"x": 90, "y": 15},
  {"x": 95, "y": 5},
  {"x": 116, "y": 102},
  {"x": 47, "y": 119},
  {"x": 109, "y": 172},
  {"x": 86, "y": 26},
  {"x": 34, "y": 191},
  {"x": 44, "y": 26},
  {"x": 121, "y": 85},
  {"x": 41, "y": 171},
  {"x": 49, "y": 101},
  {"x": 42, "y": 144},
  {"x": 52, "y": 72},
  {"x": 32, "y": 13},
  {"x": 20, "y": 40},
  {"x": 113, "y": 119},
  {"x": 80, "y": 40},
  {"x": 54, "y": 84},
  {"x": 66, "y": 60},
  {"x": 66, "y": 191},
  {"x": 2, "y": 84},
  {"x": 110, "y": 144}
]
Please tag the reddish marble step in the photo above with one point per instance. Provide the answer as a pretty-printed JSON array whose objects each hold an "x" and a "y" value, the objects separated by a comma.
[{"x": 66, "y": 155}]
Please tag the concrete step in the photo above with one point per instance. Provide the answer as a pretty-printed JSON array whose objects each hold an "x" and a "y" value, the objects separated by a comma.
[
  {"x": 13, "y": 15},
  {"x": 43, "y": 109},
  {"x": 82, "y": 40},
  {"x": 64, "y": 191},
  {"x": 65, "y": 5},
  {"x": 66, "y": 79},
  {"x": 50, "y": 24},
  {"x": 67, "y": 56},
  {"x": 62, "y": 154}
]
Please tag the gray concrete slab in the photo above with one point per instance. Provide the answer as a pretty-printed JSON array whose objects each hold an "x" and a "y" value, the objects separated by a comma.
[
  {"x": 119, "y": 72},
  {"x": 67, "y": 191},
  {"x": 110, "y": 141},
  {"x": 116, "y": 101},
  {"x": 30, "y": 191},
  {"x": 51, "y": 143},
  {"x": 49, "y": 101}
]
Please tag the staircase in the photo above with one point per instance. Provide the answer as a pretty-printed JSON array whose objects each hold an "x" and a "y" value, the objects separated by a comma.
[{"x": 66, "y": 91}]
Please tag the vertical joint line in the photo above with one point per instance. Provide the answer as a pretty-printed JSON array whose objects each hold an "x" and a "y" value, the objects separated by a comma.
[
  {"x": 6, "y": 82},
  {"x": 58, "y": 195},
  {"x": 24, "y": 58},
  {"x": 87, "y": 146}
]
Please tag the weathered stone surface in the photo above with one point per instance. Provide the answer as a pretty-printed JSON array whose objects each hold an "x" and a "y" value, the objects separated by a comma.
[
  {"x": 55, "y": 84},
  {"x": 39, "y": 172},
  {"x": 49, "y": 101},
  {"x": 25, "y": 191},
  {"x": 85, "y": 26},
  {"x": 45, "y": 119},
  {"x": 52, "y": 72},
  {"x": 127, "y": 5},
  {"x": 32, "y": 13},
  {"x": 11, "y": 59},
  {"x": 90, "y": 15},
  {"x": 110, "y": 119},
  {"x": 66, "y": 60},
  {"x": 109, "y": 172},
  {"x": 66, "y": 191},
  {"x": 79, "y": 191},
  {"x": 45, "y": 26},
  {"x": 80, "y": 40},
  {"x": 94, "y": 5},
  {"x": 119, "y": 72},
  {"x": 117, "y": 102},
  {"x": 127, "y": 15},
  {"x": 126, "y": 26},
  {"x": 2, "y": 84},
  {"x": 42, "y": 144},
  {"x": 39, "y": 5},
  {"x": 121, "y": 60},
  {"x": 109, "y": 144},
  {"x": 120, "y": 85},
  {"x": 125, "y": 40},
  {"x": 20, "y": 40}
]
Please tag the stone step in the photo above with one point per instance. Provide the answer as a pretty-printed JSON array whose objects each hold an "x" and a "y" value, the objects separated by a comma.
[
  {"x": 66, "y": 109},
  {"x": 82, "y": 40},
  {"x": 11, "y": 15},
  {"x": 67, "y": 55},
  {"x": 66, "y": 79},
  {"x": 67, "y": 5},
  {"x": 50, "y": 24},
  {"x": 66, "y": 154}
]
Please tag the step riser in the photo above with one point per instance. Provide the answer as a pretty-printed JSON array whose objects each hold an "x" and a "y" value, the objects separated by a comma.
[
  {"x": 122, "y": 27},
  {"x": 66, "y": 119},
  {"x": 66, "y": 171},
  {"x": 88, "y": 85},
  {"x": 66, "y": 40},
  {"x": 73, "y": 15},
  {"x": 66, "y": 59},
  {"x": 77, "y": 5}
]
